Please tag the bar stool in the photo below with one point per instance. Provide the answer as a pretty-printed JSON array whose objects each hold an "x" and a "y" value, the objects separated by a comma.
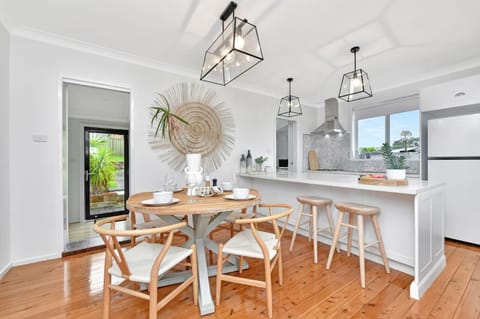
[
  {"x": 360, "y": 211},
  {"x": 314, "y": 202}
]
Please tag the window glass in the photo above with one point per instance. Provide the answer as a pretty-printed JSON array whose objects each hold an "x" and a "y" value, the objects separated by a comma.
[
  {"x": 371, "y": 134},
  {"x": 404, "y": 134}
]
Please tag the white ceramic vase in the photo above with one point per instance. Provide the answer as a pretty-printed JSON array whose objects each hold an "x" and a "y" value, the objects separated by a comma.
[
  {"x": 193, "y": 162},
  {"x": 396, "y": 173}
]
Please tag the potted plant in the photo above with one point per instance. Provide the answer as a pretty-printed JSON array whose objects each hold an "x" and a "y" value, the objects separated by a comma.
[
  {"x": 164, "y": 118},
  {"x": 396, "y": 168},
  {"x": 259, "y": 161}
]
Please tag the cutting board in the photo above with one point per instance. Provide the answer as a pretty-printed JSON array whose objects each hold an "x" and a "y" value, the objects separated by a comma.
[
  {"x": 382, "y": 181},
  {"x": 312, "y": 161}
]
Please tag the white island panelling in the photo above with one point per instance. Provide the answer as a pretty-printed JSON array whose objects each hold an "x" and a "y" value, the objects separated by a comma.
[{"x": 411, "y": 218}]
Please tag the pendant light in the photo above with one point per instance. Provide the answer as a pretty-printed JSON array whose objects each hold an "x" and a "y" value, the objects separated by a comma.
[
  {"x": 355, "y": 85},
  {"x": 290, "y": 105},
  {"x": 236, "y": 50}
]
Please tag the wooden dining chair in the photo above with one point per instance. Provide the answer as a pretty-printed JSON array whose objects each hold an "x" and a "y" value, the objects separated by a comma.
[
  {"x": 148, "y": 222},
  {"x": 144, "y": 263},
  {"x": 254, "y": 243}
]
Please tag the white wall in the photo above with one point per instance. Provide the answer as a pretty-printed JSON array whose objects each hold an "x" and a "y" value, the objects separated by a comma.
[
  {"x": 5, "y": 239},
  {"x": 37, "y": 70}
]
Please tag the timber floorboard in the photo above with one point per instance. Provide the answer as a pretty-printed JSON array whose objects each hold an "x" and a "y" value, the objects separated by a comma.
[{"x": 71, "y": 287}]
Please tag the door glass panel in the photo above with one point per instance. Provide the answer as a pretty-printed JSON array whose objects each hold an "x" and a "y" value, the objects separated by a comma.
[{"x": 106, "y": 175}]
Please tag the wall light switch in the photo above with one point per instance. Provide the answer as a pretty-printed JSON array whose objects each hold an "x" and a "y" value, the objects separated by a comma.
[{"x": 40, "y": 138}]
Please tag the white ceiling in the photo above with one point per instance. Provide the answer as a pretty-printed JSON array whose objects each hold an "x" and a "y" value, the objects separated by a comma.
[{"x": 402, "y": 41}]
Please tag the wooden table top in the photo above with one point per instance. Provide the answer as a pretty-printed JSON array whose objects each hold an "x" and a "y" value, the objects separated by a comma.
[{"x": 202, "y": 205}]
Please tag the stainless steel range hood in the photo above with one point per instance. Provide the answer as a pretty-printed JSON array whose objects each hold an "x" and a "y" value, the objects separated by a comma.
[{"x": 331, "y": 124}]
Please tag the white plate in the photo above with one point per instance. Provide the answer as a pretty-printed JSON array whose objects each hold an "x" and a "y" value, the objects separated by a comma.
[
  {"x": 162, "y": 190},
  {"x": 250, "y": 196},
  {"x": 151, "y": 202}
]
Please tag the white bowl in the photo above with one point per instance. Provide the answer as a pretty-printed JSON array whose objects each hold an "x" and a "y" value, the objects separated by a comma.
[
  {"x": 162, "y": 197},
  {"x": 241, "y": 193},
  {"x": 227, "y": 186}
]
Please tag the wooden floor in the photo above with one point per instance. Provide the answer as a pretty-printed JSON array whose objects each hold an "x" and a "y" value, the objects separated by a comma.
[{"x": 72, "y": 288}]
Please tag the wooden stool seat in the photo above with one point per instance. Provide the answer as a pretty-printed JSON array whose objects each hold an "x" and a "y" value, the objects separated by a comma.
[
  {"x": 355, "y": 208},
  {"x": 314, "y": 202},
  {"x": 360, "y": 211}
]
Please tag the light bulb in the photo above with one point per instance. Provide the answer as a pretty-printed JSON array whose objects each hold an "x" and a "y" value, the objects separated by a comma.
[
  {"x": 239, "y": 42},
  {"x": 356, "y": 82},
  {"x": 229, "y": 58}
]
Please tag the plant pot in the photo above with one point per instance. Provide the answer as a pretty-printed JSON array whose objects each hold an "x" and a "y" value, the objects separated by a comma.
[{"x": 396, "y": 173}]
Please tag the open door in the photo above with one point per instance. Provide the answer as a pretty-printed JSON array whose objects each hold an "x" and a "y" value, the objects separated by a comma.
[{"x": 106, "y": 172}]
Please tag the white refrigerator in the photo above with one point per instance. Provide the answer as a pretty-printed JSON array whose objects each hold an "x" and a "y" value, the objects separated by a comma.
[{"x": 454, "y": 158}]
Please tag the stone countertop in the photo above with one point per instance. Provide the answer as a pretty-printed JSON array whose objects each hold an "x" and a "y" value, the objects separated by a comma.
[
  {"x": 346, "y": 180},
  {"x": 356, "y": 173}
]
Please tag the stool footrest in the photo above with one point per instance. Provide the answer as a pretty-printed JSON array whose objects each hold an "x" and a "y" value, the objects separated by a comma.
[
  {"x": 371, "y": 244},
  {"x": 350, "y": 226}
]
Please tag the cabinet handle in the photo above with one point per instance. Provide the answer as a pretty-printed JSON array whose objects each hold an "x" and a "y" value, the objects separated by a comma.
[{"x": 459, "y": 94}]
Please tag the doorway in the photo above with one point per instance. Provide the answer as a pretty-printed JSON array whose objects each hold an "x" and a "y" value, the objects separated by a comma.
[
  {"x": 286, "y": 148},
  {"x": 106, "y": 172},
  {"x": 96, "y": 121}
]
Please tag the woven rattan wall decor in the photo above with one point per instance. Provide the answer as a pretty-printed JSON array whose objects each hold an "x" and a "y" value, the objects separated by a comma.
[{"x": 211, "y": 129}]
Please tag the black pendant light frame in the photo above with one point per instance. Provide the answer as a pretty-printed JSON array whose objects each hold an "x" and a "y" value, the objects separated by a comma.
[
  {"x": 236, "y": 24},
  {"x": 359, "y": 75},
  {"x": 289, "y": 100}
]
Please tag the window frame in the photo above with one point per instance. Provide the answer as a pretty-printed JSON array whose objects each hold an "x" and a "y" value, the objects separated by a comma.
[{"x": 386, "y": 108}]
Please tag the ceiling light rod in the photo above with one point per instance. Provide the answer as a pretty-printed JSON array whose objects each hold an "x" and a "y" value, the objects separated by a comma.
[
  {"x": 230, "y": 9},
  {"x": 290, "y": 80},
  {"x": 354, "y": 50}
]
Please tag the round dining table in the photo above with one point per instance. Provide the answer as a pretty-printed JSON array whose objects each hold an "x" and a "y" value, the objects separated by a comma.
[{"x": 207, "y": 213}]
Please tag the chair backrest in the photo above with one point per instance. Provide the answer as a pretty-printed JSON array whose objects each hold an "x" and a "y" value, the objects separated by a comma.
[
  {"x": 110, "y": 237},
  {"x": 273, "y": 217}
]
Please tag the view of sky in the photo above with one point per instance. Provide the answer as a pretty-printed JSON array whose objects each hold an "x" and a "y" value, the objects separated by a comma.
[{"x": 371, "y": 131}]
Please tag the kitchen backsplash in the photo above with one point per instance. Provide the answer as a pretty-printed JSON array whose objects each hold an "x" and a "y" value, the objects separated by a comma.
[{"x": 334, "y": 153}]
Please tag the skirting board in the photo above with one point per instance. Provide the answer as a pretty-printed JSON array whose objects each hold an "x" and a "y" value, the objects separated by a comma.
[
  {"x": 5, "y": 270},
  {"x": 417, "y": 289},
  {"x": 35, "y": 259}
]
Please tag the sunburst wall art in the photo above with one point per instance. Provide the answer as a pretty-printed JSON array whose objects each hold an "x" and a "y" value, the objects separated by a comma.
[{"x": 210, "y": 130}]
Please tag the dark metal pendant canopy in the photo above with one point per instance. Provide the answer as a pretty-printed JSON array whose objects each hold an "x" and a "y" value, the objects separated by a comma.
[
  {"x": 290, "y": 105},
  {"x": 236, "y": 50},
  {"x": 355, "y": 85}
]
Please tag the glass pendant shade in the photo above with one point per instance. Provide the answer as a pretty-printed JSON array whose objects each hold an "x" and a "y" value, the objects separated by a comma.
[
  {"x": 355, "y": 85},
  {"x": 236, "y": 50},
  {"x": 290, "y": 105}
]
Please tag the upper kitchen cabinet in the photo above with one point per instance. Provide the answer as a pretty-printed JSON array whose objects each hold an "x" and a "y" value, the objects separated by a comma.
[{"x": 461, "y": 92}]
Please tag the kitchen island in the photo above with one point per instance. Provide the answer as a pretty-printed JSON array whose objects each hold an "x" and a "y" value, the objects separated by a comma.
[{"x": 411, "y": 218}]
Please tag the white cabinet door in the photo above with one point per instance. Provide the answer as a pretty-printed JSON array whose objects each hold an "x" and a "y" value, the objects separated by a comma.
[
  {"x": 462, "y": 212},
  {"x": 454, "y": 136}
]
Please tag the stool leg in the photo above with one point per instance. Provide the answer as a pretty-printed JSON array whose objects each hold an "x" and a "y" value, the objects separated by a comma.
[
  {"x": 361, "y": 252},
  {"x": 335, "y": 239},
  {"x": 314, "y": 221},
  {"x": 350, "y": 233},
  {"x": 299, "y": 217},
  {"x": 380, "y": 242},
  {"x": 330, "y": 222},
  {"x": 310, "y": 235}
]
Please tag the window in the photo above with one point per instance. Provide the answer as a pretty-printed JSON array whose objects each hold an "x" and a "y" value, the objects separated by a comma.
[{"x": 396, "y": 122}]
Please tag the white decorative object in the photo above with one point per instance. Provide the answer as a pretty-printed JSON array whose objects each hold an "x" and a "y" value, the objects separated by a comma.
[
  {"x": 396, "y": 173},
  {"x": 193, "y": 173},
  {"x": 193, "y": 162},
  {"x": 210, "y": 130}
]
